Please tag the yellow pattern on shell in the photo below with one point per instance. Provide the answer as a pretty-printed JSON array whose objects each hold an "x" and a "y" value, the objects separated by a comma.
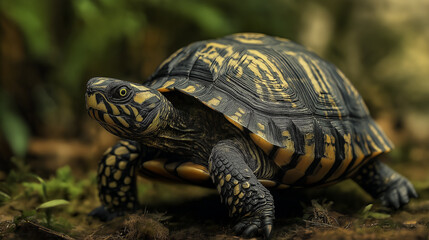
[
  {"x": 326, "y": 162},
  {"x": 189, "y": 89},
  {"x": 284, "y": 155},
  {"x": 262, "y": 143},
  {"x": 304, "y": 161},
  {"x": 213, "y": 102},
  {"x": 249, "y": 38},
  {"x": 348, "y": 152},
  {"x": 380, "y": 139},
  {"x": 236, "y": 121}
]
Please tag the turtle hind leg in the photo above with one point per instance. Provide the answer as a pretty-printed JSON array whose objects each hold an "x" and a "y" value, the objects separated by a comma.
[
  {"x": 383, "y": 183},
  {"x": 248, "y": 201},
  {"x": 117, "y": 180}
]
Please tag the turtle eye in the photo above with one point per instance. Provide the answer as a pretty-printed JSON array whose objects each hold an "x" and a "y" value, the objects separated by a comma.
[{"x": 122, "y": 92}]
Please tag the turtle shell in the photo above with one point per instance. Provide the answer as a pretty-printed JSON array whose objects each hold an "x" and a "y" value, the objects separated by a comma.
[{"x": 298, "y": 108}]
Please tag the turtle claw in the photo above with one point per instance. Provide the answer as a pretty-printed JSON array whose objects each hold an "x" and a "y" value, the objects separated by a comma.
[
  {"x": 398, "y": 194},
  {"x": 239, "y": 228},
  {"x": 251, "y": 227},
  {"x": 104, "y": 215},
  {"x": 267, "y": 231},
  {"x": 250, "y": 231}
]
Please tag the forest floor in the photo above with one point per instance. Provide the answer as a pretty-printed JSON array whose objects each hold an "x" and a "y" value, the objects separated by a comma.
[{"x": 176, "y": 211}]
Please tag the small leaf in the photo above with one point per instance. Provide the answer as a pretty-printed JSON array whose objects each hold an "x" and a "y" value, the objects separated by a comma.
[
  {"x": 4, "y": 195},
  {"x": 377, "y": 215},
  {"x": 53, "y": 203},
  {"x": 38, "y": 178},
  {"x": 367, "y": 209}
]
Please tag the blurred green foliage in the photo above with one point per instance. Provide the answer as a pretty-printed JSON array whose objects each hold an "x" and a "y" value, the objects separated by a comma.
[
  {"x": 50, "y": 48},
  {"x": 63, "y": 185},
  {"x": 13, "y": 126},
  {"x": 367, "y": 212}
]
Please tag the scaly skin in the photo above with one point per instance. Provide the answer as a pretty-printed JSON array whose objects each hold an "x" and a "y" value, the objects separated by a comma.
[
  {"x": 383, "y": 183},
  {"x": 117, "y": 180},
  {"x": 250, "y": 203}
]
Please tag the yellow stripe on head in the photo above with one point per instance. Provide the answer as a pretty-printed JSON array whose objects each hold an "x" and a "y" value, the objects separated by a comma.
[
  {"x": 123, "y": 122},
  {"x": 143, "y": 96},
  {"x": 91, "y": 101}
]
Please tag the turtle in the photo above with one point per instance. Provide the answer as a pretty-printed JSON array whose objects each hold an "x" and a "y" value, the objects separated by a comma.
[{"x": 245, "y": 114}]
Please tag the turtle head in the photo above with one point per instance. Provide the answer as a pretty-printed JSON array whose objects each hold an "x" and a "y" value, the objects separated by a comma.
[{"x": 128, "y": 110}]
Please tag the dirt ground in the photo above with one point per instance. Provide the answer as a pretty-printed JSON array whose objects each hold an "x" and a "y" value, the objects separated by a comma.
[
  {"x": 175, "y": 211},
  {"x": 178, "y": 211}
]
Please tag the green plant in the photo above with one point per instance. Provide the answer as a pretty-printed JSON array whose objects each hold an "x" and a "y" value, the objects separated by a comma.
[
  {"x": 62, "y": 185},
  {"x": 366, "y": 213},
  {"x": 48, "y": 205}
]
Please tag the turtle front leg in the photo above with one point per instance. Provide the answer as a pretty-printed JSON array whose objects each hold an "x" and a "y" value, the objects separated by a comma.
[
  {"x": 117, "y": 180},
  {"x": 383, "y": 183},
  {"x": 250, "y": 203}
]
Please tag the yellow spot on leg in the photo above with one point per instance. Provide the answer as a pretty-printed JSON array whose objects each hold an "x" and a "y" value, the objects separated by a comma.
[
  {"x": 117, "y": 175},
  {"x": 236, "y": 190},
  {"x": 229, "y": 201},
  {"x": 103, "y": 180},
  {"x": 121, "y": 150},
  {"x": 107, "y": 171},
  {"x": 228, "y": 177},
  {"x": 221, "y": 182},
  {"x": 241, "y": 195},
  {"x": 122, "y": 165},
  {"x": 127, "y": 180},
  {"x": 111, "y": 160}
]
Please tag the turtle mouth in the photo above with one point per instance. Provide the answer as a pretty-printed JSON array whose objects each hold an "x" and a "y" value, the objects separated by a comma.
[
  {"x": 116, "y": 125},
  {"x": 97, "y": 101},
  {"x": 107, "y": 114}
]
